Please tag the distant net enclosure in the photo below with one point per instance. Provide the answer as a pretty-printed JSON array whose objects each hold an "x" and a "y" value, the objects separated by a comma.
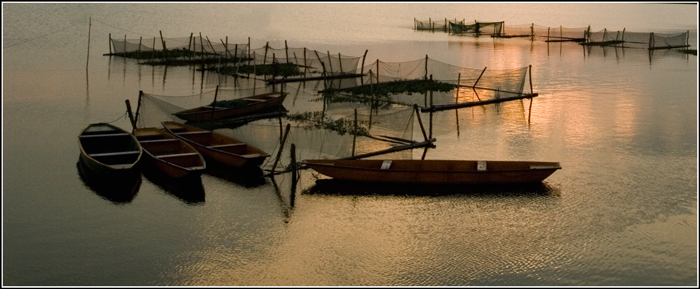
[
  {"x": 477, "y": 28},
  {"x": 412, "y": 82},
  {"x": 174, "y": 48},
  {"x": 296, "y": 64},
  {"x": 440, "y": 25},
  {"x": 628, "y": 39}
]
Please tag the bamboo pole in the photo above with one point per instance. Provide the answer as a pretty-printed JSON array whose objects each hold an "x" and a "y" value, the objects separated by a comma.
[
  {"x": 131, "y": 115},
  {"x": 293, "y": 165},
  {"x": 377, "y": 71},
  {"x": 162, "y": 40},
  {"x": 267, "y": 46},
  {"x": 138, "y": 52},
  {"x": 286, "y": 50},
  {"x": 477, "y": 80},
  {"x": 189, "y": 44},
  {"x": 354, "y": 132},
  {"x": 124, "y": 51},
  {"x": 201, "y": 45},
  {"x": 426, "y": 143},
  {"x": 88, "y": 48},
  {"x": 110, "y": 44},
  {"x": 530, "y": 72},
  {"x": 362, "y": 67},
  {"x": 279, "y": 152},
  {"x": 426, "y": 67},
  {"x": 420, "y": 122},
  {"x": 340, "y": 63},
  {"x": 212, "y": 46},
  {"x": 330, "y": 62},
  {"x": 213, "y": 104}
]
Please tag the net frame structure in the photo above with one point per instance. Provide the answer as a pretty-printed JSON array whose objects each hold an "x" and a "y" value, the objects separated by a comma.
[
  {"x": 477, "y": 28},
  {"x": 502, "y": 85},
  {"x": 434, "y": 25},
  {"x": 626, "y": 39},
  {"x": 191, "y": 47}
]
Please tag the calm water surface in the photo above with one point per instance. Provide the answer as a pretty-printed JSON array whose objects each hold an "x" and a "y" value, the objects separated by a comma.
[{"x": 623, "y": 124}]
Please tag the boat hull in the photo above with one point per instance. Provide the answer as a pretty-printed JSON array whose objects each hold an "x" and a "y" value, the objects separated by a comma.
[
  {"x": 435, "y": 171},
  {"x": 109, "y": 151},
  {"x": 255, "y": 104},
  {"x": 170, "y": 155},
  {"x": 217, "y": 148}
]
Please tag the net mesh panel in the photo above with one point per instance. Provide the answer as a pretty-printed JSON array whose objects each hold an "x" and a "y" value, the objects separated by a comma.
[
  {"x": 512, "y": 80},
  {"x": 434, "y": 25},
  {"x": 486, "y": 28},
  {"x": 155, "y": 109},
  {"x": 639, "y": 39},
  {"x": 660, "y": 40},
  {"x": 518, "y": 30},
  {"x": 565, "y": 33},
  {"x": 194, "y": 44},
  {"x": 309, "y": 60}
]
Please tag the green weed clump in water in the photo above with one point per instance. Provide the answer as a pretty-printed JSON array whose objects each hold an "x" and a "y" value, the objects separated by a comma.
[
  {"x": 277, "y": 69},
  {"x": 229, "y": 103},
  {"x": 396, "y": 87},
  {"x": 319, "y": 121},
  {"x": 177, "y": 57}
]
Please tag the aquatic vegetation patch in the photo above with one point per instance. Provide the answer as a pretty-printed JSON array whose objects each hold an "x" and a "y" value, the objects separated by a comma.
[
  {"x": 397, "y": 87},
  {"x": 276, "y": 69},
  {"x": 318, "y": 120}
]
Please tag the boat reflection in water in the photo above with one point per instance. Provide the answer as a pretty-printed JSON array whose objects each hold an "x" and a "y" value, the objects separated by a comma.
[
  {"x": 249, "y": 177},
  {"x": 189, "y": 189},
  {"x": 350, "y": 188},
  {"x": 117, "y": 189}
]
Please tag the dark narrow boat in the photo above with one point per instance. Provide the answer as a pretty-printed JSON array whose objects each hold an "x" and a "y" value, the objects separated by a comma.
[
  {"x": 217, "y": 147},
  {"x": 435, "y": 171},
  {"x": 170, "y": 155},
  {"x": 109, "y": 150},
  {"x": 233, "y": 108}
]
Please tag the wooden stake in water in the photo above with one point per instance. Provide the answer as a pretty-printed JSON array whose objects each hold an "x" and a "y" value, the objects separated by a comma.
[
  {"x": 354, "y": 133},
  {"x": 88, "y": 51}
]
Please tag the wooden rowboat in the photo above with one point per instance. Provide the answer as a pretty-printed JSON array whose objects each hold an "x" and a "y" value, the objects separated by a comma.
[
  {"x": 170, "y": 155},
  {"x": 217, "y": 147},
  {"x": 243, "y": 106},
  {"x": 109, "y": 150},
  {"x": 435, "y": 171}
]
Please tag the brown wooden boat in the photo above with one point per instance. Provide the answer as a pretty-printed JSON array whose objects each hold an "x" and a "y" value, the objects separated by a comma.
[
  {"x": 435, "y": 171},
  {"x": 170, "y": 155},
  {"x": 217, "y": 147},
  {"x": 238, "y": 107},
  {"x": 109, "y": 150}
]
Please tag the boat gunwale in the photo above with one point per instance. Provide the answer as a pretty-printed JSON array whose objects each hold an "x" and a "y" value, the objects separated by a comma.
[
  {"x": 193, "y": 169},
  {"x": 439, "y": 171},
  {"x": 214, "y": 149},
  {"x": 111, "y": 167}
]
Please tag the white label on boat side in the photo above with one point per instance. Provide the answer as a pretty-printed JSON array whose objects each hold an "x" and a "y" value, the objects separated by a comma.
[
  {"x": 481, "y": 165},
  {"x": 386, "y": 164}
]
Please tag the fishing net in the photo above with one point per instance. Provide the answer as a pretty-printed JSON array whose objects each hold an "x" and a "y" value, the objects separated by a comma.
[
  {"x": 637, "y": 39},
  {"x": 155, "y": 109},
  {"x": 193, "y": 44},
  {"x": 434, "y": 25},
  {"x": 478, "y": 28}
]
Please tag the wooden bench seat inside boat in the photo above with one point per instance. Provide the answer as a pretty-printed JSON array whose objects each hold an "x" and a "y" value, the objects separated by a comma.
[
  {"x": 115, "y": 154},
  {"x": 193, "y": 132},
  {"x": 229, "y": 145}
]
